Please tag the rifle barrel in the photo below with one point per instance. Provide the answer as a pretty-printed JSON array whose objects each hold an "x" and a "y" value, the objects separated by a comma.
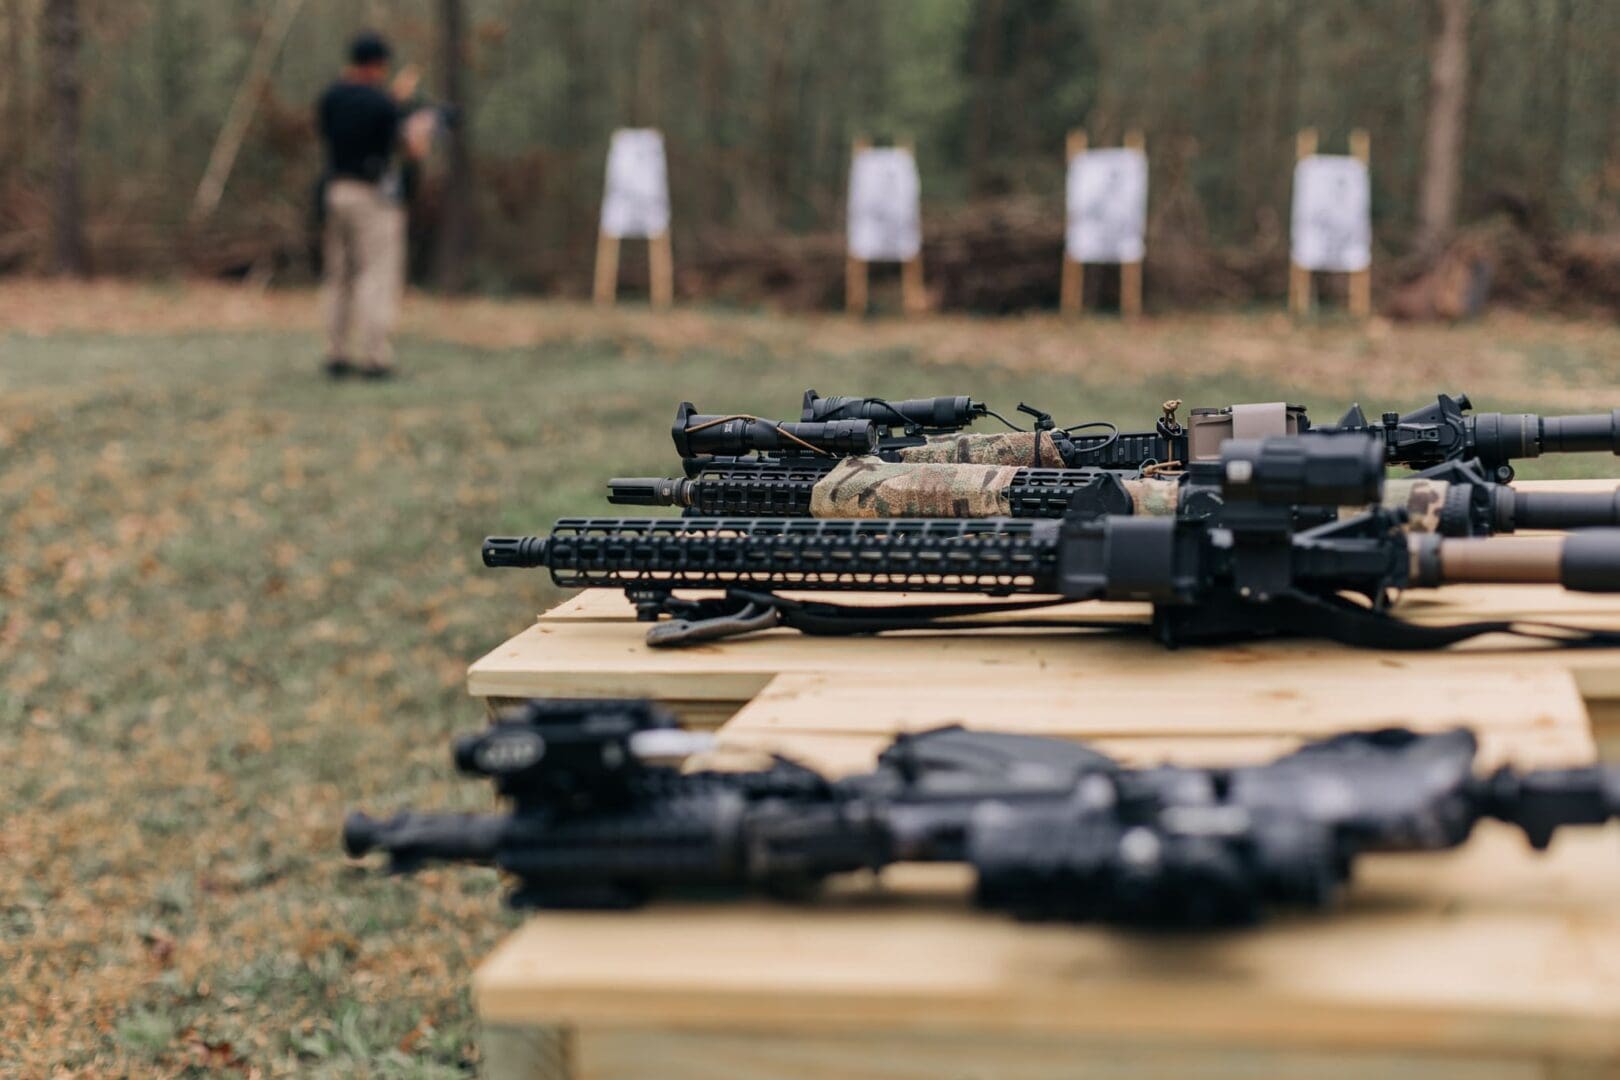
[
  {"x": 412, "y": 837},
  {"x": 1559, "y": 509},
  {"x": 1587, "y": 561}
]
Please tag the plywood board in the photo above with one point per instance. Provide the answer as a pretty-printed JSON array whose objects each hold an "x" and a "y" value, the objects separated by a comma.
[{"x": 1490, "y": 948}]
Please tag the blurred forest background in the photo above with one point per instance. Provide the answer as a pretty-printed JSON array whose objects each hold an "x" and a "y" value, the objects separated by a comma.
[{"x": 1494, "y": 130}]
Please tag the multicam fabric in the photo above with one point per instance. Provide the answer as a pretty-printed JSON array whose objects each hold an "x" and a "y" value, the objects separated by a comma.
[
  {"x": 1153, "y": 498},
  {"x": 864, "y": 488},
  {"x": 1001, "y": 448},
  {"x": 1423, "y": 500}
]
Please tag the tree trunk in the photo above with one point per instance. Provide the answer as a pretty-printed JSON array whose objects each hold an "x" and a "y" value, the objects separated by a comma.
[
  {"x": 714, "y": 78},
  {"x": 456, "y": 222},
  {"x": 62, "y": 37},
  {"x": 986, "y": 53},
  {"x": 1552, "y": 180},
  {"x": 1443, "y": 137},
  {"x": 15, "y": 147},
  {"x": 646, "y": 108}
]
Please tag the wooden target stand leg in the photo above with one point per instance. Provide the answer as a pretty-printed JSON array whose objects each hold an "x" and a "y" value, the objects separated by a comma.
[
  {"x": 1361, "y": 280},
  {"x": 1301, "y": 291},
  {"x": 660, "y": 270},
  {"x": 1072, "y": 290},
  {"x": 857, "y": 296}
]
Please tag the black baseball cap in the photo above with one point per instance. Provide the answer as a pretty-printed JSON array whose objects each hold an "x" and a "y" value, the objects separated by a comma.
[{"x": 369, "y": 48}]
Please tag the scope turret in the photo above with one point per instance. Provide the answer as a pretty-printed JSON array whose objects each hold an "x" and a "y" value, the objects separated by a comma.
[
  {"x": 702, "y": 434},
  {"x": 935, "y": 414}
]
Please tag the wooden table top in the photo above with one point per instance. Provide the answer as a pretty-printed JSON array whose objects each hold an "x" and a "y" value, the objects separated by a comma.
[{"x": 1489, "y": 948}]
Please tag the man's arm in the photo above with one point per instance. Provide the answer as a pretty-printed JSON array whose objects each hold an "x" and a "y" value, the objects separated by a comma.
[{"x": 405, "y": 82}]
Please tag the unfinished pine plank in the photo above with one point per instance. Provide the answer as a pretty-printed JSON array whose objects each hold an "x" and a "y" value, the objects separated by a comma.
[
  {"x": 617, "y": 1054},
  {"x": 746, "y": 747},
  {"x": 1535, "y": 716},
  {"x": 606, "y": 657},
  {"x": 1490, "y": 949}
]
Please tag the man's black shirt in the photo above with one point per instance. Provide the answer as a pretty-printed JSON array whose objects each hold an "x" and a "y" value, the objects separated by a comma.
[{"x": 359, "y": 125}]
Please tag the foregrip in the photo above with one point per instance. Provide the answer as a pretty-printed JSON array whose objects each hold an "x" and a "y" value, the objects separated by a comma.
[{"x": 998, "y": 555}]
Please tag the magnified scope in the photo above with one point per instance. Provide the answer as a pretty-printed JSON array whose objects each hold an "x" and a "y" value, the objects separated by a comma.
[
  {"x": 705, "y": 435},
  {"x": 935, "y": 414}
]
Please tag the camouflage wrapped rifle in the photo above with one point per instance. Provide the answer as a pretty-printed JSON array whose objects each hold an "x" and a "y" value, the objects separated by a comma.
[
  {"x": 602, "y": 816},
  {"x": 1250, "y": 572},
  {"x": 1452, "y": 499}
]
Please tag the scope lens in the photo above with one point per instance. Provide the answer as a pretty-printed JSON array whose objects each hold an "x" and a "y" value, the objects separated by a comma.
[{"x": 1308, "y": 470}]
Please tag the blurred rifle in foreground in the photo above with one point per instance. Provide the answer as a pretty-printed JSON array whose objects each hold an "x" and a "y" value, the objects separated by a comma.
[
  {"x": 1252, "y": 571},
  {"x": 602, "y": 817}
]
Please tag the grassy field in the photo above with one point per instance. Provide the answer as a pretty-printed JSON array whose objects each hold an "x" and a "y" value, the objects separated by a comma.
[{"x": 236, "y": 601}]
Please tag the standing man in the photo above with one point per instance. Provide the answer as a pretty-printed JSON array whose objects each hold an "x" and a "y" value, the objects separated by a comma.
[{"x": 363, "y": 128}]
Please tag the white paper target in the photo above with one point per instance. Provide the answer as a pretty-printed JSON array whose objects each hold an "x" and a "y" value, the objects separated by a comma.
[
  {"x": 1332, "y": 227},
  {"x": 635, "y": 201},
  {"x": 885, "y": 221},
  {"x": 1107, "y": 206}
]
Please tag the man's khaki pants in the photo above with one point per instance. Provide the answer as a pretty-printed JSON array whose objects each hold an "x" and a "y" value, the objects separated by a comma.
[{"x": 365, "y": 271}]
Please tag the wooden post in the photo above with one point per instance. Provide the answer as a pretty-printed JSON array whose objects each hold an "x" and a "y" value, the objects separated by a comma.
[
  {"x": 1074, "y": 274},
  {"x": 1361, "y": 280},
  {"x": 1299, "y": 278},
  {"x": 607, "y": 268},
  {"x": 1130, "y": 274},
  {"x": 855, "y": 269},
  {"x": 913, "y": 297},
  {"x": 661, "y": 270}
]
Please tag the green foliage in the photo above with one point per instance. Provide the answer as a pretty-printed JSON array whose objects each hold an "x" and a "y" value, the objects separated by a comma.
[{"x": 760, "y": 99}]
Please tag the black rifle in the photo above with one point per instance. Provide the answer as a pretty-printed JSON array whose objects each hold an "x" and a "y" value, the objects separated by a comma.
[
  {"x": 1437, "y": 434},
  {"x": 1452, "y": 499},
  {"x": 931, "y": 429},
  {"x": 1251, "y": 572},
  {"x": 601, "y": 817}
]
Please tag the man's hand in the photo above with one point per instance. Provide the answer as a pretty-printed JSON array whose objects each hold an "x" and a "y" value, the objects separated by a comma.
[
  {"x": 418, "y": 133},
  {"x": 405, "y": 82}
]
